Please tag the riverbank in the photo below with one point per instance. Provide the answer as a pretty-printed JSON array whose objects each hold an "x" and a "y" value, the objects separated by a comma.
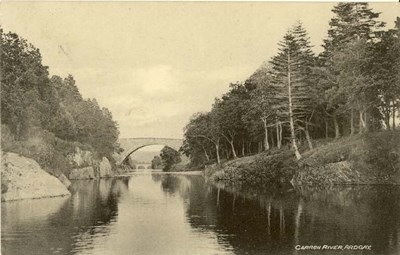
[
  {"x": 372, "y": 158},
  {"x": 23, "y": 178}
]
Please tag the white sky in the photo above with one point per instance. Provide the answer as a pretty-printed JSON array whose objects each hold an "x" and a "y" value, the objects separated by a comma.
[{"x": 155, "y": 64}]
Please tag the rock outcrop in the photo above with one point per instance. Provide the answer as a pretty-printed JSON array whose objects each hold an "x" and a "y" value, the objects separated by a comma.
[
  {"x": 81, "y": 158},
  {"x": 99, "y": 169},
  {"x": 86, "y": 167},
  {"x": 82, "y": 173},
  {"x": 104, "y": 169},
  {"x": 22, "y": 178}
]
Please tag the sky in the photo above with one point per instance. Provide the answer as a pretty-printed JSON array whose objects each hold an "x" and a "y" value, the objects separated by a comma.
[{"x": 155, "y": 64}]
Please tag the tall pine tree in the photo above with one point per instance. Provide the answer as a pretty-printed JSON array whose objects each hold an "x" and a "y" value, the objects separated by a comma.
[
  {"x": 351, "y": 32},
  {"x": 290, "y": 77}
]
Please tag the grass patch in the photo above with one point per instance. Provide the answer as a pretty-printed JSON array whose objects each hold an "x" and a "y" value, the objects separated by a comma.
[{"x": 372, "y": 158}]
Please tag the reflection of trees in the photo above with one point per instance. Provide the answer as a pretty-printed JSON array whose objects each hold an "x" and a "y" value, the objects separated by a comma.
[
  {"x": 272, "y": 221},
  {"x": 170, "y": 184},
  {"x": 156, "y": 177},
  {"x": 77, "y": 221},
  {"x": 252, "y": 222},
  {"x": 362, "y": 214},
  {"x": 95, "y": 204},
  {"x": 175, "y": 184}
]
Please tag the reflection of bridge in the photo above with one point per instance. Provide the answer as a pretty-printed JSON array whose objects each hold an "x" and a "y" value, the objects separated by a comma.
[{"x": 131, "y": 145}]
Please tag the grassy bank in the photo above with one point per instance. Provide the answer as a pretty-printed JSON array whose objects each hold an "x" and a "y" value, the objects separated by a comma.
[{"x": 372, "y": 158}]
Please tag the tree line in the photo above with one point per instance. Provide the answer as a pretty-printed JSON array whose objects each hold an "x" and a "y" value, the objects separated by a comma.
[
  {"x": 352, "y": 86},
  {"x": 32, "y": 102}
]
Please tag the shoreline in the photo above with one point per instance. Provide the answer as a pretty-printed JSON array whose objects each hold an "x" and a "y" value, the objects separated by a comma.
[
  {"x": 160, "y": 172},
  {"x": 346, "y": 161}
]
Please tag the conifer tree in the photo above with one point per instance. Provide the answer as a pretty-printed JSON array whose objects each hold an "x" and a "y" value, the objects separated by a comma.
[
  {"x": 353, "y": 28},
  {"x": 290, "y": 70}
]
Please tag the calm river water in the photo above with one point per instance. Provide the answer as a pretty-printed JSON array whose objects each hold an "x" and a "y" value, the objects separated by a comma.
[{"x": 183, "y": 215}]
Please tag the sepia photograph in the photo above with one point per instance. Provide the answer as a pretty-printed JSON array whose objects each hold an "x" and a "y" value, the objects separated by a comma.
[{"x": 200, "y": 128}]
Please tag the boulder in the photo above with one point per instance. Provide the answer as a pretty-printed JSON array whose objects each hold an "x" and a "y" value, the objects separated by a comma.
[
  {"x": 82, "y": 173},
  {"x": 22, "y": 178}
]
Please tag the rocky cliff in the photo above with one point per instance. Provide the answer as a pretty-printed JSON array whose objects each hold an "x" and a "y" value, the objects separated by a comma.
[
  {"x": 86, "y": 167},
  {"x": 22, "y": 178}
]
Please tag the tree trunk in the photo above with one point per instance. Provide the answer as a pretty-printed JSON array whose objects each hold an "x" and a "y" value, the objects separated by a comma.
[
  {"x": 206, "y": 154},
  {"x": 217, "y": 153},
  {"x": 230, "y": 141},
  {"x": 362, "y": 122},
  {"x": 308, "y": 137},
  {"x": 292, "y": 131},
  {"x": 243, "y": 145},
  {"x": 394, "y": 116},
  {"x": 218, "y": 196},
  {"x": 233, "y": 150},
  {"x": 387, "y": 121},
  {"x": 387, "y": 113},
  {"x": 278, "y": 134},
  {"x": 266, "y": 143},
  {"x": 336, "y": 124}
]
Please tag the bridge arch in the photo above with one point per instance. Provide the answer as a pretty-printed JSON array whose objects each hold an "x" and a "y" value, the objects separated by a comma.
[{"x": 130, "y": 145}]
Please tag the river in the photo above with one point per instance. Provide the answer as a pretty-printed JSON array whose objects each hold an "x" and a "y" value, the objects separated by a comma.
[{"x": 152, "y": 213}]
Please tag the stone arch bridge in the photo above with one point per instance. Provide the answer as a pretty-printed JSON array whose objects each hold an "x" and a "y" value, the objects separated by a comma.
[{"x": 130, "y": 145}]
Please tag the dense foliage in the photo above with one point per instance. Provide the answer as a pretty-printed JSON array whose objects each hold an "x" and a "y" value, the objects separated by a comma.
[
  {"x": 43, "y": 117},
  {"x": 156, "y": 163},
  {"x": 352, "y": 86},
  {"x": 169, "y": 158}
]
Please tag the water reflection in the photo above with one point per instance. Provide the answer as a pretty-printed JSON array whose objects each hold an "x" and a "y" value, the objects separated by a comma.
[
  {"x": 178, "y": 214},
  {"x": 65, "y": 225},
  {"x": 273, "y": 222}
]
